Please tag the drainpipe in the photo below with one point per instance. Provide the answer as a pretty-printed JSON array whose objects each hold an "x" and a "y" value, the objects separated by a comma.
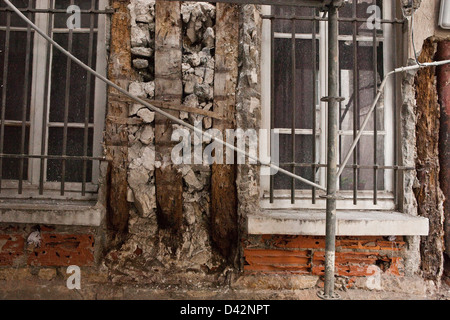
[
  {"x": 333, "y": 112},
  {"x": 443, "y": 77}
]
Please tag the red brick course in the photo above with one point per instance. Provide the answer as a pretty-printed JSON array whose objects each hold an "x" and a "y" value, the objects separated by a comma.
[
  {"x": 59, "y": 247},
  {"x": 11, "y": 248},
  {"x": 63, "y": 250},
  {"x": 306, "y": 255}
]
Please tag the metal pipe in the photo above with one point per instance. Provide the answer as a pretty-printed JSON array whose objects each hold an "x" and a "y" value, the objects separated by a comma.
[
  {"x": 333, "y": 117},
  {"x": 152, "y": 107}
]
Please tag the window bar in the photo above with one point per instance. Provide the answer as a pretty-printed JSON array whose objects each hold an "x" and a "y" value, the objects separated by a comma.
[
  {"x": 272, "y": 99},
  {"x": 25, "y": 100},
  {"x": 45, "y": 108},
  {"x": 395, "y": 28},
  {"x": 375, "y": 117},
  {"x": 355, "y": 104},
  {"x": 66, "y": 108},
  {"x": 294, "y": 97},
  {"x": 314, "y": 68},
  {"x": 4, "y": 85},
  {"x": 88, "y": 99}
]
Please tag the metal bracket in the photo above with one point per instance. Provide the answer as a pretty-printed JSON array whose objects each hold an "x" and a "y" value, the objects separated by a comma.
[
  {"x": 331, "y": 99},
  {"x": 335, "y": 297},
  {"x": 336, "y": 197}
]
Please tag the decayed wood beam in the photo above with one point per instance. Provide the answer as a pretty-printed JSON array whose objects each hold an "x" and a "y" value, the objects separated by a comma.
[
  {"x": 173, "y": 105},
  {"x": 119, "y": 69},
  {"x": 224, "y": 229},
  {"x": 168, "y": 85}
]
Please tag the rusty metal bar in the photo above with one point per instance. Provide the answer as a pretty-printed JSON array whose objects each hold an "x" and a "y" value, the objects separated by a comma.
[
  {"x": 294, "y": 103},
  {"x": 4, "y": 89},
  {"x": 293, "y": 3},
  {"x": 356, "y": 107},
  {"x": 53, "y": 157},
  {"x": 88, "y": 99},
  {"x": 314, "y": 97},
  {"x": 54, "y": 10},
  {"x": 272, "y": 98},
  {"x": 25, "y": 101},
  {"x": 382, "y": 21},
  {"x": 375, "y": 117},
  {"x": 66, "y": 108}
]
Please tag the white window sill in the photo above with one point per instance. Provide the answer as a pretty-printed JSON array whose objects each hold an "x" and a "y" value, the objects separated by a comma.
[
  {"x": 349, "y": 223},
  {"x": 72, "y": 214}
]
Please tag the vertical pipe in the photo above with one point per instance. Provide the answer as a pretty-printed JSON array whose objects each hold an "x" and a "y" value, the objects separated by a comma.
[
  {"x": 4, "y": 88},
  {"x": 333, "y": 65},
  {"x": 25, "y": 101},
  {"x": 294, "y": 98},
  {"x": 272, "y": 96}
]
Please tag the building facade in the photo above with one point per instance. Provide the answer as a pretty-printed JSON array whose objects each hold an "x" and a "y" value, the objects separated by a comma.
[{"x": 90, "y": 177}]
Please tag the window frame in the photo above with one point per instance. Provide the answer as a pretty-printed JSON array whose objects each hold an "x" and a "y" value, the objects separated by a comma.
[
  {"x": 40, "y": 50},
  {"x": 386, "y": 198}
]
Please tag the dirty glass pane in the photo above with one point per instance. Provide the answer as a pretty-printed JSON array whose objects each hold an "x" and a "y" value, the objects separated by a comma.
[
  {"x": 301, "y": 26},
  {"x": 303, "y": 154},
  {"x": 366, "y": 84},
  {"x": 10, "y": 166},
  {"x": 75, "y": 138},
  {"x": 16, "y": 75},
  {"x": 365, "y": 156},
  {"x": 16, "y": 21},
  {"x": 78, "y": 81},
  {"x": 304, "y": 77}
]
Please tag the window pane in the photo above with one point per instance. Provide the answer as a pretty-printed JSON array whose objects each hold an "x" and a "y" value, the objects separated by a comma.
[
  {"x": 366, "y": 84},
  {"x": 365, "y": 156},
  {"x": 304, "y": 84},
  {"x": 301, "y": 26},
  {"x": 78, "y": 81},
  {"x": 16, "y": 74},
  {"x": 303, "y": 155},
  {"x": 10, "y": 166},
  {"x": 75, "y": 138},
  {"x": 16, "y": 21}
]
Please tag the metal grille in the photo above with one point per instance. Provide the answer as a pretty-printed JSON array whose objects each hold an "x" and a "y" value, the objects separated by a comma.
[
  {"x": 298, "y": 77},
  {"x": 52, "y": 111}
]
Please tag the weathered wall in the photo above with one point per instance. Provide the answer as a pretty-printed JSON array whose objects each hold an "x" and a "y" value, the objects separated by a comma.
[
  {"x": 305, "y": 255},
  {"x": 428, "y": 193},
  {"x": 151, "y": 250},
  {"x": 443, "y": 79}
]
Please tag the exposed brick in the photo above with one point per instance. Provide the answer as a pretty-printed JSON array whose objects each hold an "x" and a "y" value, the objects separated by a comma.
[
  {"x": 293, "y": 261},
  {"x": 357, "y": 263},
  {"x": 310, "y": 242},
  {"x": 63, "y": 250},
  {"x": 290, "y": 242},
  {"x": 354, "y": 256},
  {"x": 11, "y": 247}
]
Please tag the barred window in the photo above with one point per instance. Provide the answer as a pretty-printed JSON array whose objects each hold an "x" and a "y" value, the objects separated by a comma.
[
  {"x": 52, "y": 110},
  {"x": 294, "y": 79}
]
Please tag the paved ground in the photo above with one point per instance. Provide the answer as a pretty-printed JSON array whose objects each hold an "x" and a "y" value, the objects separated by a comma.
[{"x": 56, "y": 291}]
